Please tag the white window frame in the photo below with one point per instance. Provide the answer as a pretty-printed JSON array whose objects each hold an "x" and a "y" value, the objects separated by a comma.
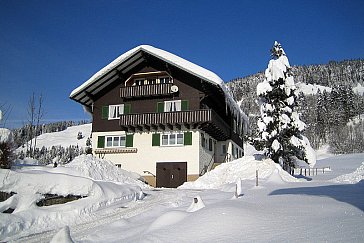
[
  {"x": 172, "y": 139},
  {"x": 118, "y": 141},
  {"x": 115, "y": 111},
  {"x": 172, "y": 105}
]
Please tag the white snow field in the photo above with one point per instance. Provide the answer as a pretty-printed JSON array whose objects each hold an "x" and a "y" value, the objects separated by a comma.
[{"x": 326, "y": 207}]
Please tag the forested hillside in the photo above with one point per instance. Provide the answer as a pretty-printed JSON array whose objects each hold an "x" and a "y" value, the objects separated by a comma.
[{"x": 333, "y": 117}]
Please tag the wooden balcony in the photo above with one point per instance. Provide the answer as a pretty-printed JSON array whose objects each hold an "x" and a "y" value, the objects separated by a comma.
[
  {"x": 206, "y": 120},
  {"x": 145, "y": 90}
]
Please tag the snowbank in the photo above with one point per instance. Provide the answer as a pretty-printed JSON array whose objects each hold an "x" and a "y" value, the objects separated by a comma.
[
  {"x": 85, "y": 176},
  {"x": 99, "y": 169},
  {"x": 351, "y": 178},
  {"x": 240, "y": 169}
]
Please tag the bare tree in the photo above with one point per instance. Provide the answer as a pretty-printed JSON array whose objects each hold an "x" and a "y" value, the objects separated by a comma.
[
  {"x": 35, "y": 115},
  {"x": 5, "y": 111},
  {"x": 39, "y": 117},
  {"x": 31, "y": 121}
]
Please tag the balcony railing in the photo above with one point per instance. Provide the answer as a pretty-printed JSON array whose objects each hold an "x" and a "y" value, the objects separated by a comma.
[
  {"x": 145, "y": 90},
  {"x": 206, "y": 120}
]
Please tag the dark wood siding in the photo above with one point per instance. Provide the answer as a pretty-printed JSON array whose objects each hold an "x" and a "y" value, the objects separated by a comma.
[
  {"x": 200, "y": 95},
  {"x": 146, "y": 105}
]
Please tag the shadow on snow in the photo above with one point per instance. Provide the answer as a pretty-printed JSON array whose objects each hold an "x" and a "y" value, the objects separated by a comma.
[{"x": 349, "y": 193}]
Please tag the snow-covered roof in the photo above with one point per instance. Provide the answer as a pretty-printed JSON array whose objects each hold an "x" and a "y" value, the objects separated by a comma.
[{"x": 83, "y": 94}]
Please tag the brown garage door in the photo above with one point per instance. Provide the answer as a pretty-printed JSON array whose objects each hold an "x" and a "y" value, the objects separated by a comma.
[{"x": 171, "y": 174}]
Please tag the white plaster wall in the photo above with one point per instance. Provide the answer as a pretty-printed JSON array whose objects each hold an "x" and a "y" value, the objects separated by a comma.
[{"x": 147, "y": 155}]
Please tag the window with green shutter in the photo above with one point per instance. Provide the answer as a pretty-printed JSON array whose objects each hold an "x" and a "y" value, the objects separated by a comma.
[
  {"x": 105, "y": 112},
  {"x": 101, "y": 141},
  {"x": 160, "y": 107},
  {"x": 129, "y": 140},
  {"x": 184, "y": 105},
  {"x": 188, "y": 138},
  {"x": 156, "y": 139}
]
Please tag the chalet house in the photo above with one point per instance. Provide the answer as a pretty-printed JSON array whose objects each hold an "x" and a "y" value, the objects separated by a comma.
[{"x": 162, "y": 116}]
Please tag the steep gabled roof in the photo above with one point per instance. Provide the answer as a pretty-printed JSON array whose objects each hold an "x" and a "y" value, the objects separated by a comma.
[{"x": 83, "y": 94}]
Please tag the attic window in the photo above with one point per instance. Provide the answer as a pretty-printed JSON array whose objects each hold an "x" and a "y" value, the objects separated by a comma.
[
  {"x": 152, "y": 80},
  {"x": 149, "y": 78}
]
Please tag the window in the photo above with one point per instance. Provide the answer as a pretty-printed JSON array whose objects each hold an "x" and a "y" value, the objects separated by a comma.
[
  {"x": 173, "y": 105},
  {"x": 165, "y": 80},
  {"x": 115, "y": 111},
  {"x": 138, "y": 82},
  {"x": 224, "y": 149},
  {"x": 115, "y": 141},
  {"x": 203, "y": 144},
  {"x": 172, "y": 139},
  {"x": 210, "y": 144},
  {"x": 152, "y": 80}
]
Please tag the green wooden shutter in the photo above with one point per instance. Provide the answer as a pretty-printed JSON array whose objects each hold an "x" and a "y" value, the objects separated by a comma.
[
  {"x": 129, "y": 140},
  {"x": 184, "y": 105},
  {"x": 101, "y": 141},
  {"x": 188, "y": 138},
  {"x": 160, "y": 107},
  {"x": 127, "y": 108},
  {"x": 156, "y": 139},
  {"x": 105, "y": 112}
]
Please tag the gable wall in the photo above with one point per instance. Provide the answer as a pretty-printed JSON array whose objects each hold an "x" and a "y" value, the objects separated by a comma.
[{"x": 142, "y": 105}]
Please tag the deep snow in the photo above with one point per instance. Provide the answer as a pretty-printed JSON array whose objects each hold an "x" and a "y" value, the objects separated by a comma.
[{"x": 326, "y": 207}]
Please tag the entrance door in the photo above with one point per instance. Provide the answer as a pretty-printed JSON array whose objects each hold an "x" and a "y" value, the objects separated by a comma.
[{"x": 171, "y": 174}]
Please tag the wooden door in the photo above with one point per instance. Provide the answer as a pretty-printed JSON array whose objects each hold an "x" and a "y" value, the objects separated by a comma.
[{"x": 171, "y": 174}]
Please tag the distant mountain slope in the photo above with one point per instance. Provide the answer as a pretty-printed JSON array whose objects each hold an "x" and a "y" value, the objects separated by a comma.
[
  {"x": 330, "y": 96},
  {"x": 308, "y": 78}
]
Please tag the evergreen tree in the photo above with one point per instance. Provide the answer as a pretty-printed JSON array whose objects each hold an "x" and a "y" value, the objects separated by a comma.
[{"x": 280, "y": 128}]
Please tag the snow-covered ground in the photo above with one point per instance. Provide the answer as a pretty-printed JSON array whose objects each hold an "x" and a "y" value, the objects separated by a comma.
[{"x": 326, "y": 207}]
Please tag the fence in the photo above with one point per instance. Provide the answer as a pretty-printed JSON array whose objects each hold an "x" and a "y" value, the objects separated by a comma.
[{"x": 308, "y": 171}]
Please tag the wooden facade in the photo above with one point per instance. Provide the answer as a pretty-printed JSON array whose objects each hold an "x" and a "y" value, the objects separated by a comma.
[{"x": 206, "y": 107}]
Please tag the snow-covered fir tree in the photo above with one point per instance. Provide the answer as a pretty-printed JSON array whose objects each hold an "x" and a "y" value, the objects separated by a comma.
[{"x": 280, "y": 128}]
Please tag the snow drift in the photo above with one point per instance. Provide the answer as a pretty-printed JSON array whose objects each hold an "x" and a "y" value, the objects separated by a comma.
[
  {"x": 240, "y": 169},
  {"x": 85, "y": 176},
  {"x": 351, "y": 178}
]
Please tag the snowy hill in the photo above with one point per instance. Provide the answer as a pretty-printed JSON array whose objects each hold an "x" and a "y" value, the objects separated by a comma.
[{"x": 64, "y": 138}]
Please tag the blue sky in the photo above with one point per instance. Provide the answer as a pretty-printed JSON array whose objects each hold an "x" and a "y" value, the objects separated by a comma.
[{"x": 51, "y": 47}]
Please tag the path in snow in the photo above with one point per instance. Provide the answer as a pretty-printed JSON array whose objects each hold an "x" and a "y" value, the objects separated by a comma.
[{"x": 131, "y": 209}]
